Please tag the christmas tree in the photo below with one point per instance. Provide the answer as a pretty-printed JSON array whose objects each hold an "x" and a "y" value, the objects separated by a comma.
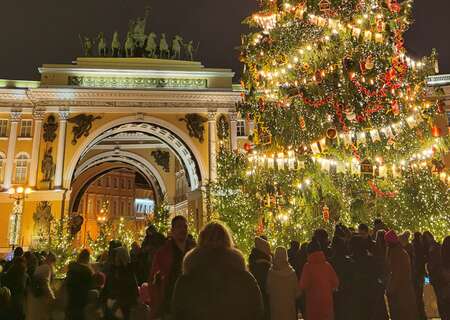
[{"x": 344, "y": 125}]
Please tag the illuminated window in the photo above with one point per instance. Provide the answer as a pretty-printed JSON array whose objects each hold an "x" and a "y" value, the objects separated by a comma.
[
  {"x": 2, "y": 165},
  {"x": 25, "y": 128},
  {"x": 3, "y": 128},
  {"x": 240, "y": 128},
  {"x": 22, "y": 161}
]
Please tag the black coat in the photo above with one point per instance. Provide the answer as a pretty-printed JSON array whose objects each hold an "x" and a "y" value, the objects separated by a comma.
[{"x": 216, "y": 285}]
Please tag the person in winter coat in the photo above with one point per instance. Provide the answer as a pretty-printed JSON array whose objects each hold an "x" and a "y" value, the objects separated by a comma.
[
  {"x": 16, "y": 280},
  {"x": 445, "y": 273},
  {"x": 167, "y": 268},
  {"x": 400, "y": 292},
  {"x": 419, "y": 276},
  {"x": 344, "y": 267},
  {"x": 294, "y": 255},
  {"x": 79, "y": 280},
  {"x": 367, "y": 286},
  {"x": 260, "y": 261},
  {"x": 121, "y": 289},
  {"x": 40, "y": 296},
  {"x": 433, "y": 254},
  {"x": 215, "y": 283},
  {"x": 282, "y": 288},
  {"x": 317, "y": 283}
]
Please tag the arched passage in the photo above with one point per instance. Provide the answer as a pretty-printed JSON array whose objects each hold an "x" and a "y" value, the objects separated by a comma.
[{"x": 178, "y": 141}]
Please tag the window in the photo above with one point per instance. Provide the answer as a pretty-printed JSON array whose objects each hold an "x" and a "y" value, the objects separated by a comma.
[
  {"x": 115, "y": 182},
  {"x": 129, "y": 184},
  {"x": 99, "y": 182},
  {"x": 122, "y": 208},
  {"x": 130, "y": 208},
  {"x": 107, "y": 182},
  {"x": 99, "y": 206},
  {"x": 122, "y": 184},
  {"x": 21, "y": 168},
  {"x": 240, "y": 128},
  {"x": 25, "y": 128},
  {"x": 3, "y": 128}
]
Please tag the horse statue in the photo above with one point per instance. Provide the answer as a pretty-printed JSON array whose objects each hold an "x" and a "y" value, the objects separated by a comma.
[
  {"x": 115, "y": 45},
  {"x": 101, "y": 46},
  {"x": 151, "y": 45},
  {"x": 164, "y": 47},
  {"x": 177, "y": 43},
  {"x": 129, "y": 46}
]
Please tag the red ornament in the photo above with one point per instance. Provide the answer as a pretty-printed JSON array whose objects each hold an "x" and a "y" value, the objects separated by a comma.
[
  {"x": 395, "y": 108},
  {"x": 248, "y": 147},
  {"x": 436, "y": 131},
  {"x": 326, "y": 213}
]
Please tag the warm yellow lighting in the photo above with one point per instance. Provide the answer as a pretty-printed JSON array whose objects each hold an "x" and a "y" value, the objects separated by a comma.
[
  {"x": 20, "y": 190},
  {"x": 11, "y": 191},
  {"x": 28, "y": 190}
]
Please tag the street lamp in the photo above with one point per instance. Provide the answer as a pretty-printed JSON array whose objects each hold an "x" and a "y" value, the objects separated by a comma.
[{"x": 18, "y": 194}]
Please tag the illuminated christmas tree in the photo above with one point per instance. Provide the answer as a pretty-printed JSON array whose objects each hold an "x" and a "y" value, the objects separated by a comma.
[{"x": 345, "y": 126}]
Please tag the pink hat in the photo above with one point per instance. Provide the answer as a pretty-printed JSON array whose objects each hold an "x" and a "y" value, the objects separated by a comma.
[{"x": 391, "y": 237}]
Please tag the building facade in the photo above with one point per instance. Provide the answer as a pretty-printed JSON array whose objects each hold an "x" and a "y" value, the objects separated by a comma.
[{"x": 82, "y": 120}]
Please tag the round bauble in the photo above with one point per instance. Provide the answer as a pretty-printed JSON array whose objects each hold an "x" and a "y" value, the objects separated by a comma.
[{"x": 331, "y": 133}]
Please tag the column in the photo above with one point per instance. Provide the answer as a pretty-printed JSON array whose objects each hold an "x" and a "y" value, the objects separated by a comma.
[
  {"x": 38, "y": 116},
  {"x": 233, "y": 130},
  {"x": 212, "y": 134},
  {"x": 63, "y": 116},
  {"x": 15, "y": 118}
]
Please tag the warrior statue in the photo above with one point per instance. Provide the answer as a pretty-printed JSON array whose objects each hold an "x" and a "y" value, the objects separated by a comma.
[
  {"x": 190, "y": 50},
  {"x": 151, "y": 45},
  {"x": 195, "y": 125},
  {"x": 83, "y": 125},
  {"x": 177, "y": 43},
  {"x": 163, "y": 47},
  {"x": 115, "y": 45},
  {"x": 101, "y": 47},
  {"x": 129, "y": 46},
  {"x": 47, "y": 166},
  {"x": 86, "y": 44}
]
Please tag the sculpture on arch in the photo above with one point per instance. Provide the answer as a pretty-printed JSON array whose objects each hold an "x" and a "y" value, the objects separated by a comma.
[
  {"x": 83, "y": 125},
  {"x": 50, "y": 127},
  {"x": 101, "y": 46},
  {"x": 177, "y": 44},
  {"x": 42, "y": 219},
  {"x": 223, "y": 130},
  {"x": 48, "y": 166},
  {"x": 195, "y": 125},
  {"x": 115, "y": 45},
  {"x": 162, "y": 158},
  {"x": 129, "y": 46},
  {"x": 163, "y": 47},
  {"x": 152, "y": 46},
  {"x": 87, "y": 45}
]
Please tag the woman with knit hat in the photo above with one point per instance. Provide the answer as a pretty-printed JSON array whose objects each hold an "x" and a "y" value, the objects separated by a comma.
[
  {"x": 400, "y": 292},
  {"x": 282, "y": 288}
]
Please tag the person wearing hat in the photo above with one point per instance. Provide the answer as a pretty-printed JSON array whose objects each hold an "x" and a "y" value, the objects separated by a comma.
[
  {"x": 399, "y": 289},
  {"x": 282, "y": 287},
  {"x": 260, "y": 261}
]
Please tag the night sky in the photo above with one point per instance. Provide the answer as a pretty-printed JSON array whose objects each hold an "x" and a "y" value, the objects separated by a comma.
[{"x": 46, "y": 31}]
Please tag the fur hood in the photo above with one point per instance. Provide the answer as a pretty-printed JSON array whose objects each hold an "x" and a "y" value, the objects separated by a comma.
[{"x": 213, "y": 258}]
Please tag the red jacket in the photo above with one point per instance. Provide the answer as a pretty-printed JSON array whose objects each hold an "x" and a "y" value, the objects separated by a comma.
[
  {"x": 318, "y": 281},
  {"x": 158, "y": 280}
]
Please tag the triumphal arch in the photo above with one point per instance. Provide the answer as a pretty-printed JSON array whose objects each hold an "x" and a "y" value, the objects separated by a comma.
[{"x": 157, "y": 117}]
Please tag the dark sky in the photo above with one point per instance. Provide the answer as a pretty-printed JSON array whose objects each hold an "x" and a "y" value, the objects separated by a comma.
[{"x": 46, "y": 31}]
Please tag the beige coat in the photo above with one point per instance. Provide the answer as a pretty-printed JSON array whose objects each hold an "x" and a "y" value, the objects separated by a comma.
[
  {"x": 39, "y": 308},
  {"x": 282, "y": 289}
]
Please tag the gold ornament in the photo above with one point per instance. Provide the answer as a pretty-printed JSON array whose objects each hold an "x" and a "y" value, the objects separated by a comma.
[
  {"x": 370, "y": 64},
  {"x": 325, "y": 6},
  {"x": 302, "y": 123},
  {"x": 331, "y": 133}
]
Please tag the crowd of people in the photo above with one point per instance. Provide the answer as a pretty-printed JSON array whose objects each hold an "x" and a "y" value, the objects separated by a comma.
[{"x": 358, "y": 274}]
